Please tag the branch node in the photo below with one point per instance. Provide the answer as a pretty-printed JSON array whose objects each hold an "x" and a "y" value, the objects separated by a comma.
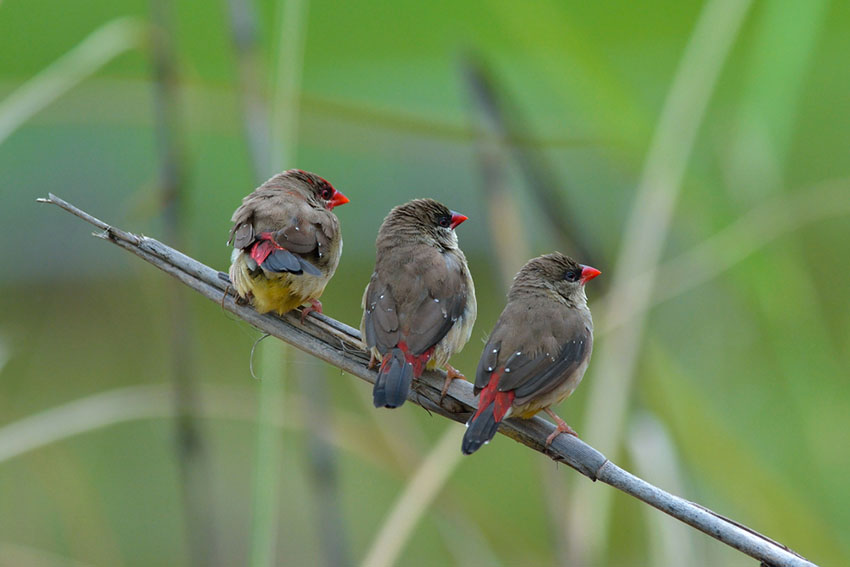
[{"x": 599, "y": 468}]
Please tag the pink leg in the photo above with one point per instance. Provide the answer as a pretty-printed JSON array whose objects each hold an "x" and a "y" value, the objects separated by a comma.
[
  {"x": 562, "y": 427},
  {"x": 451, "y": 374},
  {"x": 315, "y": 305}
]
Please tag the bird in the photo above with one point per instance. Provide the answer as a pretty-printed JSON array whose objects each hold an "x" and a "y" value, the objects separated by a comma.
[
  {"x": 419, "y": 306},
  {"x": 286, "y": 242},
  {"x": 538, "y": 351}
]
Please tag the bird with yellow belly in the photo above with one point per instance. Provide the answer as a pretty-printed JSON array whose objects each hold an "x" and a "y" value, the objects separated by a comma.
[{"x": 286, "y": 242}]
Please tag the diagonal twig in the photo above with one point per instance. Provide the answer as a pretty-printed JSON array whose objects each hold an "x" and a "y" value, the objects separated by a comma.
[{"x": 339, "y": 344}]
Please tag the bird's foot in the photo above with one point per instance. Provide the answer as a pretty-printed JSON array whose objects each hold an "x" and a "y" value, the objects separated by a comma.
[
  {"x": 315, "y": 305},
  {"x": 242, "y": 300},
  {"x": 561, "y": 428},
  {"x": 451, "y": 374},
  {"x": 373, "y": 360}
]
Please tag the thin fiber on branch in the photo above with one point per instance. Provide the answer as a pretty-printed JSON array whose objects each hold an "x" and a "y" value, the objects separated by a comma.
[{"x": 338, "y": 344}]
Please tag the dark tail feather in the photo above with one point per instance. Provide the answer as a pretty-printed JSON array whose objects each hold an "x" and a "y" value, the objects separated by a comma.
[
  {"x": 393, "y": 383},
  {"x": 282, "y": 261},
  {"x": 479, "y": 430}
]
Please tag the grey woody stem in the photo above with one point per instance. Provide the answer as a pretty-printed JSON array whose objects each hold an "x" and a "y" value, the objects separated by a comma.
[{"x": 339, "y": 344}]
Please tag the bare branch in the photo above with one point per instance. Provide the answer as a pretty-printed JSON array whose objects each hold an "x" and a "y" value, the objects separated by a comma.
[{"x": 338, "y": 344}]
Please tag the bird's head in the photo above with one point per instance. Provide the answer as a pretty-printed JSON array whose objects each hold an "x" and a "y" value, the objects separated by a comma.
[
  {"x": 424, "y": 220},
  {"x": 558, "y": 273},
  {"x": 316, "y": 189}
]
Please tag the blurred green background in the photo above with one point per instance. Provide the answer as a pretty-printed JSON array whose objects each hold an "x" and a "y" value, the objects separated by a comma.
[{"x": 704, "y": 144}]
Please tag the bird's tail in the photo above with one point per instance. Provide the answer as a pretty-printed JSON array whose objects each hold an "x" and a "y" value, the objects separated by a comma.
[
  {"x": 266, "y": 252},
  {"x": 493, "y": 406},
  {"x": 479, "y": 430},
  {"x": 394, "y": 380}
]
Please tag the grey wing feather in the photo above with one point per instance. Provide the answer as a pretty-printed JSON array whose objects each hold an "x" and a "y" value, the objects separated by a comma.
[
  {"x": 535, "y": 362},
  {"x": 304, "y": 230},
  {"x": 242, "y": 235},
  {"x": 519, "y": 369},
  {"x": 486, "y": 364},
  {"x": 380, "y": 320},
  {"x": 442, "y": 303},
  {"x": 549, "y": 374},
  {"x": 433, "y": 320},
  {"x": 302, "y": 237}
]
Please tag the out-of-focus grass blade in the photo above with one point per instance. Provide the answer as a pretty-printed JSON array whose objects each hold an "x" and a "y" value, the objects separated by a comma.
[
  {"x": 121, "y": 405},
  {"x": 766, "y": 222},
  {"x": 590, "y": 76},
  {"x": 286, "y": 91},
  {"x": 291, "y": 29},
  {"x": 643, "y": 239},
  {"x": 792, "y": 316},
  {"x": 502, "y": 200},
  {"x": 423, "y": 487},
  {"x": 268, "y": 463},
  {"x": 504, "y": 121},
  {"x": 95, "y": 51},
  {"x": 785, "y": 37}
]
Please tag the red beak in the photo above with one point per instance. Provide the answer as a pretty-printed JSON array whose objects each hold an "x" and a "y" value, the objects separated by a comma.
[
  {"x": 588, "y": 273},
  {"x": 457, "y": 218},
  {"x": 337, "y": 200}
]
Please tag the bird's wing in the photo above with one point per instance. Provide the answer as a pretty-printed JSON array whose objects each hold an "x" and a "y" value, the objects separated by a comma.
[
  {"x": 242, "y": 232},
  {"x": 430, "y": 312},
  {"x": 534, "y": 351},
  {"x": 380, "y": 317},
  {"x": 307, "y": 232},
  {"x": 416, "y": 300},
  {"x": 303, "y": 232}
]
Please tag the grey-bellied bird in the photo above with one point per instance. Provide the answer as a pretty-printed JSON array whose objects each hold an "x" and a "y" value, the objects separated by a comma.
[
  {"x": 539, "y": 349},
  {"x": 419, "y": 307}
]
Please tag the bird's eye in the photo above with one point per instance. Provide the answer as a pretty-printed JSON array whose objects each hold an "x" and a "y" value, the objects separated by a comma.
[
  {"x": 444, "y": 221},
  {"x": 571, "y": 276},
  {"x": 327, "y": 193}
]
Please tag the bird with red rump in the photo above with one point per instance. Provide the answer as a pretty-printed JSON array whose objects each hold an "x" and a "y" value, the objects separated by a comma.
[
  {"x": 419, "y": 306},
  {"x": 538, "y": 351},
  {"x": 286, "y": 242}
]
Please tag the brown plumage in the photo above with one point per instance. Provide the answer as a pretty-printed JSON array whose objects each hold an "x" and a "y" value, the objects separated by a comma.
[
  {"x": 419, "y": 307},
  {"x": 539, "y": 349},
  {"x": 286, "y": 242}
]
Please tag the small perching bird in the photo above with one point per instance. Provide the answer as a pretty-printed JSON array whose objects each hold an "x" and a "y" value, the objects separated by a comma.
[
  {"x": 286, "y": 242},
  {"x": 419, "y": 307},
  {"x": 538, "y": 351}
]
